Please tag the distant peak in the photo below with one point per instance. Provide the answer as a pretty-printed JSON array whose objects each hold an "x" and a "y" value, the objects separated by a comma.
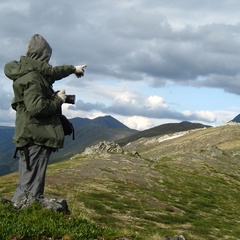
[{"x": 236, "y": 119}]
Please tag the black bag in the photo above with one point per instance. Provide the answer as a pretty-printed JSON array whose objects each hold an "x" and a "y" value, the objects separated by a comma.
[{"x": 67, "y": 126}]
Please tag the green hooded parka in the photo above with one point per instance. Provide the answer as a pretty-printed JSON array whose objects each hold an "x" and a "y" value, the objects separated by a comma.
[{"x": 37, "y": 106}]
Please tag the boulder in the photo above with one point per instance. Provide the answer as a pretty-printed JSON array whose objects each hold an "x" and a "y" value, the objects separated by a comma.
[
  {"x": 56, "y": 205},
  {"x": 102, "y": 147}
]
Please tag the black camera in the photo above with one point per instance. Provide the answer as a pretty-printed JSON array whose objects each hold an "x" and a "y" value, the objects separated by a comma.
[{"x": 70, "y": 99}]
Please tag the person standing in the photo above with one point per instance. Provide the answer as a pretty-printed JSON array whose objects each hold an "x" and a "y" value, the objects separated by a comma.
[{"x": 38, "y": 129}]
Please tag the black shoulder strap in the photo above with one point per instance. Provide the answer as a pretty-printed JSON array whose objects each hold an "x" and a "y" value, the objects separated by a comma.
[{"x": 26, "y": 154}]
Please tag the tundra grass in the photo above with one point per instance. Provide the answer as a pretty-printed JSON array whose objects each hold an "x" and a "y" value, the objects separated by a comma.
[
  {"x": 35, "y": 223},
  {"x": 198, "y": 201},
  {"x": 198, "y": 206}
]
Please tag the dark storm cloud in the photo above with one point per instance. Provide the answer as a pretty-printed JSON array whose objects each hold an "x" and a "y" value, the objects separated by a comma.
[
  {"x": 157, "y": 42},
  {"x": 128, "y": 40}
]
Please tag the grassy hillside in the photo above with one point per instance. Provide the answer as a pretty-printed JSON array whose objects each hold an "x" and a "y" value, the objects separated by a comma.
[
  {"x": 167, "y": 128},
  {"x": 184, "y": 184}
]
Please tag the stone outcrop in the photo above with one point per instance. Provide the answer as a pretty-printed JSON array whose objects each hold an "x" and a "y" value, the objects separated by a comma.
[
  {"x": 56, "y": 205},
  {"x": 102, "y": 147}
]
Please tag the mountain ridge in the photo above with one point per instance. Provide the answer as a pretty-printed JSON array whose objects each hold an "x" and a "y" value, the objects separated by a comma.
[
  {"x": 166, "y": 128},
  {"x": 87, "y": 132},
  {"x": 236, "y": 119}
]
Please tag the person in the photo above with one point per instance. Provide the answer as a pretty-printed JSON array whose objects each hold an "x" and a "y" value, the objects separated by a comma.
[{"x": 38, "y": 129}]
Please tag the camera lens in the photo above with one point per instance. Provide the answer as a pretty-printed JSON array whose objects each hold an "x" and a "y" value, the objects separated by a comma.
[{"x": 70, "y": 99}]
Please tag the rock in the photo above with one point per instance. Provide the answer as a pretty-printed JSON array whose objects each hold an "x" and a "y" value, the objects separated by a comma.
[
  {"x": 136, "y": 154},
  {"x": 56, "y": 205},
  {"x": 214, "y": 151},
  {"x": 103, "y": 147}
]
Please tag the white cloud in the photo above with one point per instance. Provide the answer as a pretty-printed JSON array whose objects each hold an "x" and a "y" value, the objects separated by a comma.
[
  {"x": 206, "y": 116},
  {"x": 155, "y": 102},
  {"x": 137, "y": 122}
]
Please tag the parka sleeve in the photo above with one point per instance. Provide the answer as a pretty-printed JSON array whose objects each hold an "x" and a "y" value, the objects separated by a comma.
[{"x": 60, "y": 72}]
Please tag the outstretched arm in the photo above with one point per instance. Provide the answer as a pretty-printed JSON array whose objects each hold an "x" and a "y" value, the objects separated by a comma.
[{"x": 63, "y": 71}]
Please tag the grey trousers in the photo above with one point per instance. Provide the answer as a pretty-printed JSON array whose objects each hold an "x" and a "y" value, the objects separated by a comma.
[{"x": 32, "y": 181}]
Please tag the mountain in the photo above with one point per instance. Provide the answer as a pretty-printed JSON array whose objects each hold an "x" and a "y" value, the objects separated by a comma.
[
  {"x": 87, "y": 133},
  {"x": 163, "y": 129},
  {"x": 7, "y": 163},
  {"x": 184, "y": 183},
  {"x": 6, "y": 138},
  {"x": 105, "y": 121},
  {"x": 236, "y": 119}
]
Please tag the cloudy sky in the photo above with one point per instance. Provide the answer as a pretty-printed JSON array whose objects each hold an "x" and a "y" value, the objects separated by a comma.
[{"x": 149, "y": 61}]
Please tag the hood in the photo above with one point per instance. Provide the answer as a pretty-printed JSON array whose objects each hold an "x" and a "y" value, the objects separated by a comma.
[
  {"x": 16, "y": 69},
  {"x": 38, "y": 48}
]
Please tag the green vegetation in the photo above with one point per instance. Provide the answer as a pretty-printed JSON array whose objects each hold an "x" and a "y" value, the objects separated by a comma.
[
  {"x": 35, "y": 223},
  {"x": 197, "y": 207},
  {"x": 186, "y": 186}
]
